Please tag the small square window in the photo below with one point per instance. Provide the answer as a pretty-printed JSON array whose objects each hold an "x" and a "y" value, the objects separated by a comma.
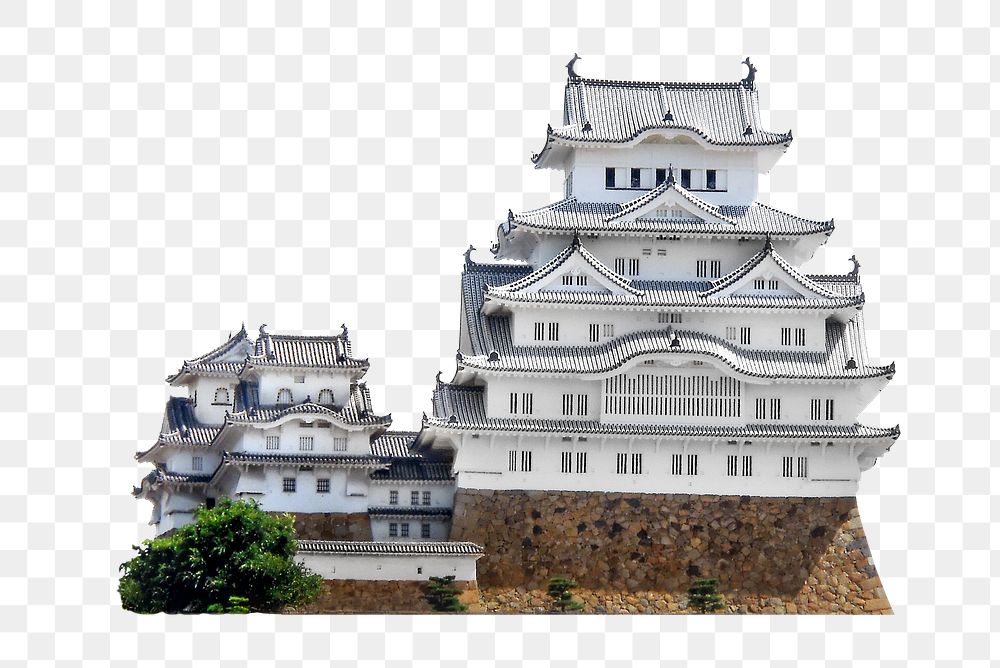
[
  {"x": 322, "y": 485},
  {"x": 288, "y": 484},
  {"x": 197, "y": 463},
  {"x": 300, "y": 379}
]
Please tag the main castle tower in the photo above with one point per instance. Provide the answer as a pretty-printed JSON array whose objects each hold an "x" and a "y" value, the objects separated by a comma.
[{"x": 650, "y": 337}]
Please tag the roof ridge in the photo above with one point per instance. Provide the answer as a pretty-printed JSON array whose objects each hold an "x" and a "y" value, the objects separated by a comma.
[{"x": 590, "y": 81}]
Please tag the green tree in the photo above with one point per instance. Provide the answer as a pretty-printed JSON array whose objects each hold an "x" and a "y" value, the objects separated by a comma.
[
  {"x": 560, "y": 591},
  {"x": 704, "y": 596},
  {"x": 442, "y": 594},
  {"x": 232, "y": 558}
]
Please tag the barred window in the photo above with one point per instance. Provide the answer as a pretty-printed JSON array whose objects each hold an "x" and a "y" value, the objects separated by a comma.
[
  {"x": 553, "y": 331},
  {"x": 526, "y": 460},
  {"x": 621, "y": 463},
  {"x": 393, "y": 529},
  {"x": 581, "y": 462},
  {"x": 581, "y": 279},
  {"x": 305, "y": 442},
  {"x": 745, "y": 336},
  {"x": 425, "y": 530},
  {"x": 425, "y": 498},
  {"x": 758, "y": 284},
  {"x": 567, "y": 279},
  {"x": 414, "y": 498},
  {"x": 786, "y": 467},
  {"x": 772, "y": 284},
  {"x": 595, "y": 332},
  {"x": 404, "y": 530},
  {"x": 288, "y": 484},
  {"x": 197, "y": 463},
  {"x": 673, "y": 394},
  {"x": 272, "y": 442},
  {"x": 803, "y": 467},
  {"x": 393, "y": 497},
  {"x": 829, "y": 409},
  {"x": 676, "y": 464},
  {"x": 815, "y": 409},
  {"x": 322, "y": 485},
  {"x": 747, "y": 465},
  {"x": 567, "y": 462},
  {"x": 636, "y": 462},
  {"x": 732, "y": 464},
  {"x": 692, "y": 465}
]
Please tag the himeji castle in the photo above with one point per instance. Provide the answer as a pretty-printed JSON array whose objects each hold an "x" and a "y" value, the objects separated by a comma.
[
  {"x": 288, "y": 421},
  {"x": 651, "y": 331},
  {"x": 639, "y": 360}
]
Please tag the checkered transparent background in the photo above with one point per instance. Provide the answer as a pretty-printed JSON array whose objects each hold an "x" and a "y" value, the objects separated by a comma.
[{"x": 170, "y": 171}]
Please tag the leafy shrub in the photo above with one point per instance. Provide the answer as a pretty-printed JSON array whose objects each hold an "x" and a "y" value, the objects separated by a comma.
[{"x": 232, "y": 558}]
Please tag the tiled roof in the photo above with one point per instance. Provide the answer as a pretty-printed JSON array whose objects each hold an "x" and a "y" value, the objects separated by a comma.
[
  {"x": 350, "y": 461},
  {"x": 463, "y": 407},
  {"x": 394, "y": 444},
  {"x": 575, "y": 248},
  {"x": 747, "y": 267},
  {"x": 687, "y": 295},
  {"x": 180, "y": 427},
  {"x": 408, "y": 511},
  {"x": 227, "y": 359},
  {"x": 569, "y": 215},
  {"x": 843, "y": 291},
  {"x": 161, "y": 476},
  {"x": 389, "y": 547},
  {"x": 418, "y": 470},
  {"x": 608, "y": 111},
  {"x": 326, "y": 352},
  {"x": 487, "y": 333},
  {"x": 350, "y": 414},
  {"x": 843, "y": 341}
]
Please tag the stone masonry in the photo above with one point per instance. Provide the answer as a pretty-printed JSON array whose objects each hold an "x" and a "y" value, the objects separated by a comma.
[
  {"x": 638, "y": 553},
  {"x": 331, "y": 526},
  {"x": 381, "y": 596}
]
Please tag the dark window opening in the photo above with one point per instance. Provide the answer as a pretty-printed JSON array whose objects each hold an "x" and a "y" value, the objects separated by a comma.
[
  {"x": 609, "y": 177},
  {"x": 210, "y": 502},
  {"x": 635, "y": 177},
  {"x": 661, "y": 176},
  {"x": 686, "y": 178},
  {"x": 710, "y": 179}
]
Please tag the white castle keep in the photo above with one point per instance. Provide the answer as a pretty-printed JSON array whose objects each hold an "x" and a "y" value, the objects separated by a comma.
[{"x": 650, "y": 332}]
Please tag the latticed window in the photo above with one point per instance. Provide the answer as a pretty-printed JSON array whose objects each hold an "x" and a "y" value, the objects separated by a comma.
[
  {"x": 426, "y": 498},
  {"x": 272, "y": 442},
  {"x": 305, "y": 443},
  {"x": 325, "y": 397},
  {"x": 322, "y": 485},
  {"x": 425, "y": 530},
  {"x": 414, "y": 498},
  {"x": 284, "y": 396},
  {"x": 404, "y": 530},
  {"x": 197, "y": 463},
  {"x": 288, "y": 484},
  {"x": 393, "y": 497}
]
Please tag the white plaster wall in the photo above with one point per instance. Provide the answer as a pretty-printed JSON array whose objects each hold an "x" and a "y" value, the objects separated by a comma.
[
  {"x": 314, "y": 381},
  {"x": 346, "y": 495},
  {"x": 588, "y": 167},
  {"x": 849, "y": 398},
  {"x": 833, "y": 470},
  {"x": 574, "y": 325},
  {"x": 203, "y": 390},
  {"x": 440, "y": 528},
  {"x": 254, "y": 439},
  {"x": 180, "y": 459},
  {"x": 442, "y": 495},
  {"x": 386, "y": 567}
]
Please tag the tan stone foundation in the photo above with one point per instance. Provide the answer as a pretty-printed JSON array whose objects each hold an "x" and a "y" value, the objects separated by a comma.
[
  {"x": 638, "y": 553},
  {"x": 381, "y": 596},
  {"x": 331, "y": 526}
]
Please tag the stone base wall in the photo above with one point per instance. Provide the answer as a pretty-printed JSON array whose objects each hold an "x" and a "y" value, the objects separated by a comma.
[
  {"x": 638, "y": 553},
  {"x": 382, "y": 596},
  {"x": 332, "y": 526}
]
